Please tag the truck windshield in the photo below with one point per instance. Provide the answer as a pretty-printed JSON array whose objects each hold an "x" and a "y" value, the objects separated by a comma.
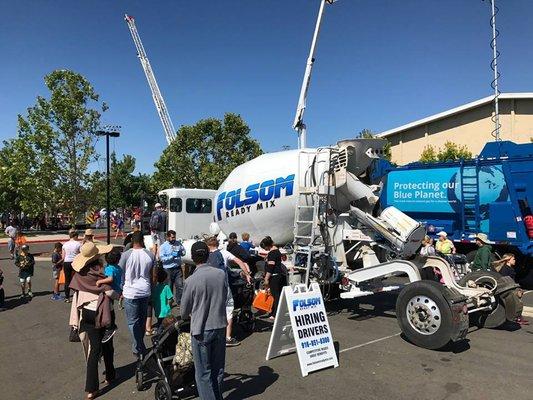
[{"x": 198, "y": 206}]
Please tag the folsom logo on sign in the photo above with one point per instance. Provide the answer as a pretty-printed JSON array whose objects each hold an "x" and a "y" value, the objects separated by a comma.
[
  {"x": 304, "y": 304},
  {"x": 261, "y": 195}
]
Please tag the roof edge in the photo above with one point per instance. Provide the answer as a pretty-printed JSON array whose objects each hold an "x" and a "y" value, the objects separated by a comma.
[{"x": 453, "y": 111}]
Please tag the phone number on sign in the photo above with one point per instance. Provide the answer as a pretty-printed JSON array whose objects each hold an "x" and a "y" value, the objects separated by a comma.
[{"x": 314, "y": 342}]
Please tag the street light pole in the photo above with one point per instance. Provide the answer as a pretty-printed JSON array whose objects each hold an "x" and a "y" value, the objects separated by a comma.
[{"x": 108, "y": 131}]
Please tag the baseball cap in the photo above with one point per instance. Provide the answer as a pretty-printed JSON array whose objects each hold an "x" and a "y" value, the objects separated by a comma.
[
  {"x": 199, "y": 249},
  {"x": 157, "y": 205},
  {"x": 232, "y": 235}
]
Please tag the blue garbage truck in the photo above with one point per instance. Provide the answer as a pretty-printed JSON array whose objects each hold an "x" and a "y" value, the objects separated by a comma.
[{"x": 492, "y": 194}]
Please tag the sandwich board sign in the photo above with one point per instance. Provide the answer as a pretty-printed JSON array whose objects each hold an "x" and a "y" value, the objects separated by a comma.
[{"x": 301, "y": 324}]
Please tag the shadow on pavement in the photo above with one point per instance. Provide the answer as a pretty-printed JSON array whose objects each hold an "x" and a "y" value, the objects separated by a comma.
[
  {"x": 35, "y": 294},
  {"x": 381, "y": 305},
  {"x": 124, "y": 373},
  {"x": 509, "y": 326},
  {"x": 15, "y": 301},
  {"x": 452, "y": 347},
  {"x": 260, "y": 326},
  {"x": 244, "y": 386}
]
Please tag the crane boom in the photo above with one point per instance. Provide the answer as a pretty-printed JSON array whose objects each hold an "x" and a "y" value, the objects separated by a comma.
[
  {"x": 298, "y": 123},
  {"x": 160, "y": 105}
]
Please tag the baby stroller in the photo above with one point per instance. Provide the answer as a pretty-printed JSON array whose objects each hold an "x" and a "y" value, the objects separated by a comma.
[
  {"x": 243, "y": 297},
  {"x": 168, "y": 363}
]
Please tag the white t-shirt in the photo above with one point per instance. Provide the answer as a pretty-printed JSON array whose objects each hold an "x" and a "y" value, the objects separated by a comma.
[
  {"x": 11, "y": 231},
  {"x": 71, "y": 249},
  {"x": 227, "y": 257},
  {"x": 137, "y": 265}
]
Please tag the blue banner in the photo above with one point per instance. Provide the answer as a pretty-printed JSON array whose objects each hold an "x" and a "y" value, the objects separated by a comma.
[
  {"x": 423, "y": 190},
  {"x": 438, "y": 190}
]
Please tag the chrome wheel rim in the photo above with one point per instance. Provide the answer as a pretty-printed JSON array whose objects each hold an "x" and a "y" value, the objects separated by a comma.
[{"x": 423, "y": 315}]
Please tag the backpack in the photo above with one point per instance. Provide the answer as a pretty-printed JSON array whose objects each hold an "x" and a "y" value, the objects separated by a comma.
[
  {"x": 216, "y": 260},
  {"x": 156, "y": 221}
]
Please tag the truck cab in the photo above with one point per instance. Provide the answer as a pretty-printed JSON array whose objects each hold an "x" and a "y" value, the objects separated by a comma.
[{"x": 189, "y": 211}]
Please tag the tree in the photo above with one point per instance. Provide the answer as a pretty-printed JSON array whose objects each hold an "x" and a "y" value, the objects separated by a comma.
[
  {"x": 203, "y": 155},
  {"x": 27, "y": 175},
  {"x": 429, "y": 154},
  {"x": 449, "y": 152},
  {"x": 368, "y": 134},
  {"x": 126, "y": 188},
  {"x": 59, "y": 131}
]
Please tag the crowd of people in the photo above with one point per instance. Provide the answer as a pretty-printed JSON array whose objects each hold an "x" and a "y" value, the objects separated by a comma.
[
  {"x": 153, "y": 284},
  {"x": 483, "y": 260}
]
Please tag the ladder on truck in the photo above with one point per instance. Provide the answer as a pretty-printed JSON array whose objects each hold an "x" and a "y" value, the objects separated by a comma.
[
  {"x": 470, "y": 198},
  {"x": 168, "y": 127},
  {"x": 311, "y": 203}
]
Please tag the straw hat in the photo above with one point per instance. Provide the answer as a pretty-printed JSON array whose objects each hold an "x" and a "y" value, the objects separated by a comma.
[
  {"x": 483, "y": 238},
  {"x": 89, "y": 232},
  {"x": 89, "y": 252}
]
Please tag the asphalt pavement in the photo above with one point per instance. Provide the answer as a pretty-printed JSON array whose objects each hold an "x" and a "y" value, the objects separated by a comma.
[{"x": 375, "y": 362}]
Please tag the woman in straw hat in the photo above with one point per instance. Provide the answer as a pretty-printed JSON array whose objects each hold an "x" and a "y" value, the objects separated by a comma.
[
  {"x": 483, "y": 257},
  {"x": 91, "y": 312}
]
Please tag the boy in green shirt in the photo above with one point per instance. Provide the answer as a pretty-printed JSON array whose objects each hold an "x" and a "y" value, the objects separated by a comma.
[{"x": 162, "y": 297}]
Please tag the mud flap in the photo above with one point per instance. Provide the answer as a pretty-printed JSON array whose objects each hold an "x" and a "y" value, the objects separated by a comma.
[
  {"x": 506, "y": 291},
  {"x": 460, "y": 319}
]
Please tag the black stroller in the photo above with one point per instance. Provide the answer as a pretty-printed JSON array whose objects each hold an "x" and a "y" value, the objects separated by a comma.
[
  {"x": 243, "y": 297},
  {"x": 173, "y": 379}
]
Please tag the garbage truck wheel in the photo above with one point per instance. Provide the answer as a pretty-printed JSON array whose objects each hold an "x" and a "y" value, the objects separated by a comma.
[
  {"x": 424, "y": 315},
  {"x": 486, "y": 319}
]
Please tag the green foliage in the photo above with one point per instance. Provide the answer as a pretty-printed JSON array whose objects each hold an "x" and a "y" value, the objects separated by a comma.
[
  {"x": 45, "y": 168},
  {"x": 368, "y": 134},
  {"x": 449, "y": 152},
  {"x": 429, "y": 154},
  {"x": 126, "y": 188},
  {"x": 203, "y": 155}
]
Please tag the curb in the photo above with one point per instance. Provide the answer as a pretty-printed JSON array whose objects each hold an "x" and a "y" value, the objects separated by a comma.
[{"x": 29, "y": 241}]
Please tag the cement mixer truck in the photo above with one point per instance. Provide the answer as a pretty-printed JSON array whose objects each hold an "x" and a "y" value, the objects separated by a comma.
[{"x": 317, "y": 203}]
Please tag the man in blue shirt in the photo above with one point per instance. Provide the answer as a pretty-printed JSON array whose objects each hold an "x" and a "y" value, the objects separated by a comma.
[{"x": 170, "y": 255}]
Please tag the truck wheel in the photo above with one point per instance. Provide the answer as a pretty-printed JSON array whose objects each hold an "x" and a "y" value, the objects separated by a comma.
[
  {"x": 424, "y": 315},
  {"x": 486, "y": 319}
]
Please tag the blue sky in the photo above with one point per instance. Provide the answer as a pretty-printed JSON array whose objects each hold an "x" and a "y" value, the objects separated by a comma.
[{"x": 380, "y": 63}]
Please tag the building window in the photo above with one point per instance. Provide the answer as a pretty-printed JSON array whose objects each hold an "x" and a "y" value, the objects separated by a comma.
[
  {"x": 175, "y": 204},
  {"x": 198, "y": 206}
]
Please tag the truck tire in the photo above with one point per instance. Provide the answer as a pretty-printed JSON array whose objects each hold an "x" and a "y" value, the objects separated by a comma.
[
  {"x": 424, "y": 315},
  {"x": 486, "y": 319}
]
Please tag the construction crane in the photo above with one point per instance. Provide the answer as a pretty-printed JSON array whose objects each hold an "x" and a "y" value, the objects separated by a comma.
[{"x": 160, "y": 105}]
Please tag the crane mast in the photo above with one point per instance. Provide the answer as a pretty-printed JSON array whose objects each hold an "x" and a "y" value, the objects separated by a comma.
[
  {"x": 160, "y": 105},
  {"x": 298, "y": 124}
]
